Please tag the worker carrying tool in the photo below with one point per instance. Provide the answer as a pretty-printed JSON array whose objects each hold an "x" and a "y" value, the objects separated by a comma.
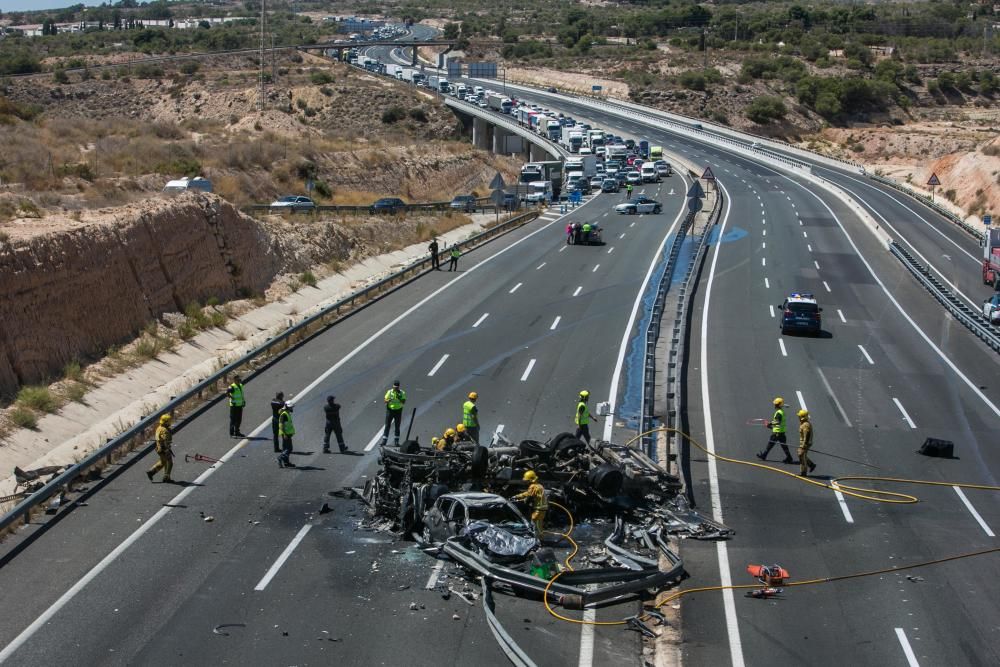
[
  {"x": 164, "y": 445},
  {"x": 237, "y": 401},
  {"x": 470, "y": 417},
  {"x": 805, "y": 443},
  {"x": 395, "y": 399},
  {"x": 778, "y": 428},
  {"x": 537, "y": 500},
  {"x": 582, "y": 417},
  {"x": 287, "y": 428}
]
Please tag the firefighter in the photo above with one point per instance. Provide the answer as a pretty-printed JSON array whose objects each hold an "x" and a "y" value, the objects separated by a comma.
[
  {"x": 582, "y": 417},
  {"x": 445, "y": 443},
  {"x": 462, "y": 434},
  {"x": 287, "y": 428},
  {"x": 778, "y": 427},
  {"x": 805, "y": 443},
  {"x": 237, "y": 401},
  {"x": 277, "y": 403},
  {"x": 164, "y": 444},
  {"x": 470, "y": 417},
  {"x": 538, "y": 502},
  {"x": 395, "y": 398}
]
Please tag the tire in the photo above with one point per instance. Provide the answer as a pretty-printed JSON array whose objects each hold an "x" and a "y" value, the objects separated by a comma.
[
  {"x": 534, "y": 448},
  {"x": 606, "y": 480},
  {"x": 565, "y": 445},
  {"x": 480, "y": 461}
]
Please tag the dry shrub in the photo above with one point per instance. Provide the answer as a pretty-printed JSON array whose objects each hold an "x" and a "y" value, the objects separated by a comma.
[{"x": 354, "y": 197}]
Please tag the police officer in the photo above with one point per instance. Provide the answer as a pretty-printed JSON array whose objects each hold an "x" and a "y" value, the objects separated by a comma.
[
  {"x": 582, "y": 417},
  {"x": 539, "y": 503},
  {"x": 277, "y": 403},
  {"x": 332, "y": 411},
  {"x": 778, "y": 428},
  {"x": 470, "y": 417},
  {"x": 164, "y": 444},
  {"x": 435, "y": 251},
  {"x": 805, "y": 443},
  {"x": 455, "y": 254},
  {"x": 586, "y": 233},
  {"x": 237, "y": 401},
  {"x": 628, "y": 191},
  {"x": 287, "y": 428},
  {"x": 395, "y": 399}
]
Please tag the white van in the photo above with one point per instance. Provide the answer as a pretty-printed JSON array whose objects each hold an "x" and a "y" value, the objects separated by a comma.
[
  {"x": 649, "y": 174},
  {"x": 185, "y": 184}
]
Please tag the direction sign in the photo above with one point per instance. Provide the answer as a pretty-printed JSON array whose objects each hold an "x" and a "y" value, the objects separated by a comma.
[
  {"x": 575, "y": 197},
  {"x": 596, "y": 89},
  {"x": 497, "y": 182},
  {"x": 695, "y": 191},
  {"x": 987, "y": 220},
  {"x": 708, "y": 175},
  {"x": 934, "y": 180},
  {"x": 695, "y": 205},
  {"x": 497, "y": 196}
]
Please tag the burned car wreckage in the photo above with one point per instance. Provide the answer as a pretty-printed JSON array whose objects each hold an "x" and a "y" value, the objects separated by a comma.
[{"x": 623, "y": 508}]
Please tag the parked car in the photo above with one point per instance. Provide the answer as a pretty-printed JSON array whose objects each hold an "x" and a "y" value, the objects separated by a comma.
[
  {"x": 295, "y": 203},
  {"x": 387, "y": 205},
  {"x": 639, "y": 204},
  {"x": 801, "y": 312},
  {"x": 465, "y": 203}
]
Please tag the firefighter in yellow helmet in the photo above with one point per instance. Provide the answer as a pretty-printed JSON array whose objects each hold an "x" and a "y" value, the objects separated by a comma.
[
  {"x": 448, "y": 441},
  {"x": 535, "y": 495},
  {"x": 462, "y": 434},
  {"x": 778, "y": 427},
  {"x": 805, "y": 443},
  {"x": 164, "y": 444}
]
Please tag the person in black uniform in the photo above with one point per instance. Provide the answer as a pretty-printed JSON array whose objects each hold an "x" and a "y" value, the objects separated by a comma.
[
  {"x": 435, "y": 251},
  {"x": 277, "y": 403},
  {"x": 332, "y": 410}
]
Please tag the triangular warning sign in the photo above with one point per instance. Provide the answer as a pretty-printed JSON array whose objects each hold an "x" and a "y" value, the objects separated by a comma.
[
  {"x": 934, "y": 180},
  {"x": 695, "y": 191},
  {"x": 497, "y": 182},
  {"x": 708, "y": 175}
]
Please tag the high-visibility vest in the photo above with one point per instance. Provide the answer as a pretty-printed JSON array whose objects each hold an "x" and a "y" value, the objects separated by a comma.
[
  {"x": 456, "y": 253},
  {"x": 469, "y": 414},
  {"x": 586, "y": 228},
  {"x": 395, "y": 399},
  {"x": 778, "y": 421},
  {"x": 285, "y": 421},
  {"x": 236, "y": 399},
  {"x": 582, "y": 414}
]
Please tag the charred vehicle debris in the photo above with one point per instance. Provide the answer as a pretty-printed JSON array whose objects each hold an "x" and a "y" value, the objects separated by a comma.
[{"x": 611, "y": 505}]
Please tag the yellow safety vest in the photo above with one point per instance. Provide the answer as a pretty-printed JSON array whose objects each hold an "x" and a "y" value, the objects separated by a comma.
[
  {"x": 236, "y": 399},
  {"x": 582, "y": 414},
  {"x": 778, "y": 421},
  {"x": 456, "y": 253},
  {"x": 285, "y": 420},
  {"x": 395, "y": 399},
  {"x": 469, "y": 414}
]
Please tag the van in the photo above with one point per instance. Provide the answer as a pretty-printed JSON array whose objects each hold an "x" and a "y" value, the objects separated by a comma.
[
  {"x": 185, "y": 184},
  {"x": 649, "y": 173}
]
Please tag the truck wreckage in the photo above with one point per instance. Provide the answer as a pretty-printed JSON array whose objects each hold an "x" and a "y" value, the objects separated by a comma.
[{"x": 455, "y": 503}]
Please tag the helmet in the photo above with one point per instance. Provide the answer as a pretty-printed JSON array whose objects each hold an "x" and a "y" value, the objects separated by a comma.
[
  {"x": 460, "y": 428},
  {"x": 473, "y": 395},
  {"x": 584, "y": 394},
  {"x": 165, "y": 419},
  {"x": 530, "y": 476},
  {"x": 779, "y": 401},
  {"x": 434, "y": 440},
  {"x": 803, "y": 413},
  {"x": 450, "y": 433}
]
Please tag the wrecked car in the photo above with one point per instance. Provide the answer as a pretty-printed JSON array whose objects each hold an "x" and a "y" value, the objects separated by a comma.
[{"x": 491, "y": 524}]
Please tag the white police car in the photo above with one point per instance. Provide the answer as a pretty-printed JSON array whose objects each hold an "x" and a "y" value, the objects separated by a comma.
[
  {"x": 801, "y": 312},
  {"x": 991, "y": 308}
]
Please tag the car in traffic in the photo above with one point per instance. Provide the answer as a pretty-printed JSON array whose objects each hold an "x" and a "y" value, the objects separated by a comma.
[
  {"x": 609, "y": 185},
  {"x": 801, "y": 312},
  {"x": 663, "y": 168},
  {"x": 389, "y": 205},
  {"x": 582, "y": 186},
  {"x": 639, "y": 204},
  {"x": 596, "y": 182},
  {"x": 465, "y": 203},
  {"x": 633, "y": 178},
  {"x": 294, "y": 203},
  {"x": 991, "y": 308}
]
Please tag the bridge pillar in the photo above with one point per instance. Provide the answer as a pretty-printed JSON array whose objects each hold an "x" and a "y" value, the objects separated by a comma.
[
  {"x": 480, "y": 133},
  {"x": 499, "y": 140},
  {"x": 536, "y": 153}
]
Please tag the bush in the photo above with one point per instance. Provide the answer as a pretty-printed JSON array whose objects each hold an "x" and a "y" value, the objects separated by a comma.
[
  {"x": 37, "y": 398},
  {"x": 75, "y": 391},
  {"x": 73, "y": 371},
  {"x": 326, "y": 90},
  {"x": 320, "y": 77},
  {"x": 418, "y": 115},
  {"x": 301, "y": 103},
  {"x": 765, "y": 109},
  {"x": 23, "y": 418},
  {"x": 59, "y": 76},
  {"x": 393, "y": 114},
  {"x": 147, "y": 348},
  {"x": 190, "y": 67},
  {"x": 148, "y": 71},
  {"x": 322, "y": 189},
  {"x": 308, "y": 278}
]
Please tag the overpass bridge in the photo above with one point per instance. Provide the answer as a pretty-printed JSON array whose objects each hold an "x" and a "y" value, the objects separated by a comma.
[{"x": 341, "y": 45}]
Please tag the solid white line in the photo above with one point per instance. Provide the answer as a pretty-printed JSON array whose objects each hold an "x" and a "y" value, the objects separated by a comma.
[
  {"x": 829, "y": 390},
  {"x": 555, "y": 322},
  {"x": 867, "y": 356},
  {"x": 577, "y": 290},
  {"x": 816, "y": 264},
  {"x": 781, "y": 344},
  {"x": 514, "y": 288},
  {"x": 611, "y": 250},
  {"x": 802, "y": 401},
  {"x": 827, "y": 286},
  {"x": 842, "y": 318},
  {"x": 435, "y": 573},
  {"x": 539, "y": 266},
  {"x": 480, "y": 320},
  {"x": 374, "y": 441},
  {"x": 262, "y": 584},
  {"x": 438, "y": 365},
  {"x": 972, "y": 510},
  {"x": 767, "y": 283},
  {"x": 906, "y": 417},
  {"x": 587, "y": 638},
  {"x": 722, "y": 551},
  {"x": 595, "y": 268},
  {"x": 771, "y": 308},
  {"x": 911, "y": 659},
  {"x": 843, "y": 505},
  {"x": 527, "y": 371}
]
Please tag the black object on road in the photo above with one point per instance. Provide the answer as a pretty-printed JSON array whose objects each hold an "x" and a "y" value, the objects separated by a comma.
[{"x": 943, "y": 449}]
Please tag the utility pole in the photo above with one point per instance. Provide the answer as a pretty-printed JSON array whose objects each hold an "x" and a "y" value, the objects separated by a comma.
[
  {"x": 260, "y": 70},
  {"x": 704, "y": 45}
]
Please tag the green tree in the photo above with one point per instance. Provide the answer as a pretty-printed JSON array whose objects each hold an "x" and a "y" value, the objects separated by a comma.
[
  {"x": 765, "y": 109},
  {"x": 451, "y": 31}
]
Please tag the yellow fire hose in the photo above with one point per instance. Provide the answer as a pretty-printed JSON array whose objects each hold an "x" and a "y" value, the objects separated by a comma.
[{"x": 834, "y": 484}]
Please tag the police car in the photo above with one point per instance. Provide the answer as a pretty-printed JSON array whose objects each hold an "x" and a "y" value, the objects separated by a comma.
[
  {"x": 639, "y": 204},
  {"x": 991, "y": 309},
  {"x": 801, "y": 312}
]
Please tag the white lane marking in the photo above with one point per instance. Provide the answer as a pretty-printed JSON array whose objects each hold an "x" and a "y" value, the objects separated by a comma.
[
  {"x": 262, "y": 584},
  {"x": 622, "y": 235},
  {"x": 906, "y": 417},
  {"x": 577, "y": 290},
  {"x": 842, "y": 501},
  {"x": 771, "y": 308},
  {"x": 911, "y": 659},
  {"x": 632, "y": 225},
  {"x": 793, "y": 204},
  {"x": 438, "y": 365},
  {"x": 514, "y": 288},
  {"x": 763, "y": 245},
  {"x": 800, "y": 221},
  {"x": 829, "y": 390},
  {"x": 827, "y": 286},
  {"x": 767, "y": 283},
  {"x": 972, "y": 510},
  {"x": 802, "y": 401},
  {"x": 721, "y": 548},
  {"x": 842, "y": 318},
  {"x": 611, "y": 250},
  {"x": 781, "y": 344},
  {"x": 805, "y": 235},
  {"x": 587, "y": 638},
  {"x": 375, "y": 438},
  {"x": 809, "y": 247},
  {"x": 555, "y": 322},
  {"x": 816, "y": 264},
  {"x": 540, "y": 266},
  {"x": 527, "y": 371},
  {"x": 595, "y": 268},
  {"x": 435, "y": 573},
  {"x": 763, "y": 221},
  {"x": 867, "y": 356},
  {"x": 763, "y": 261},
  {"x": 763, "y": 232},
  {"x": 563, "y": 248},
  {"x": 480, "y": 320}
]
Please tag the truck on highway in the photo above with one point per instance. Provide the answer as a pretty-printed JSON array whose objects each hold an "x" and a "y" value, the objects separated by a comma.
[
  {"x": 499, "y": 103},
  {"x": 991, "y": 259},
  {"x": 617, "y": 152},
  {"x": 393, "y": 70},
  {"x": 655, "y": 152},
  {"x": 418, "y": 78},
  {"x": 572, "y": 139},
  {"x": 553, "y": 129},
  {"x": 550, "y": 171},
  {"x": 585, "y": 164},
  {"x": 595, "y": 138},
  {"x": 439, "y": 83},
  {"x": 406, "y": 74}
]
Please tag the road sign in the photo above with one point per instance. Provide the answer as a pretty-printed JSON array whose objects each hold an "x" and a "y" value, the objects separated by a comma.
[
  {"x": 695, "y": 191},
  {"x": 597, "y": 89},
  {"x": 497, "y": 197},
  {"x": 575, "y": 197},
  {"x": 497, "y": 182},
  {"x": 987, "y": 220},
  {"x": 708, "y": 175},
  {"x": 934, "y": 180},
  {"x": 694, "y": 205}
]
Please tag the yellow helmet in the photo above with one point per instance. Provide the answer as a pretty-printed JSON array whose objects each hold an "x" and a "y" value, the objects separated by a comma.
[
  {"x": 450, "y": 433},
  {"x": 530, "y": 476},
  {"x": 803, "y": 413},
  {"x": 165, "y": 419},
  {"x": 779, "y": 401},
  {"x": 473, "y": 395},
  {"x": 434, "y": 440},
  {"x": 460, "y": 428},
  {"x": 584, "y": 394}
]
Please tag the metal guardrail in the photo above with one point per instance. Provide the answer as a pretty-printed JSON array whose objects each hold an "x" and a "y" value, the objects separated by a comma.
[
  {"x": 928, "y": 202},
  {"x": 248, "y": 364},
  {"x": 973, "y": 320},
  {"x": 481, "y": 203}
]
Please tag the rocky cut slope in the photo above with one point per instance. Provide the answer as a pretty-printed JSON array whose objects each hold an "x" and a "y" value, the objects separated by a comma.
[{"x": 70, "y": 290}]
